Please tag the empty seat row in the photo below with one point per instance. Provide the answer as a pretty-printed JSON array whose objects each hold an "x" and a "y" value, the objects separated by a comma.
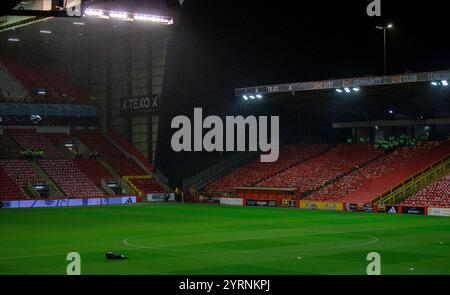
[
  {"x": 148, "y": 186},
  {"x": 436, "y": 194},
  {"x": 69, "y": 178},
  {"x": 255, "y": 171},
  {"x": 320, "y": 170}
]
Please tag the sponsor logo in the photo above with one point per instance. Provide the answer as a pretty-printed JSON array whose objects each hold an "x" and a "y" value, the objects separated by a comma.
[
  {"x": 414, "y": 210},
  {"x": 144, "y": 104},
  {"x": 351, "y": 207},
  {"x": 392, "y": 210}
]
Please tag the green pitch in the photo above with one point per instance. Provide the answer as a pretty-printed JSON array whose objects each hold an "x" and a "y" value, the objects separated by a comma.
[{"x": 205, "y": 239}]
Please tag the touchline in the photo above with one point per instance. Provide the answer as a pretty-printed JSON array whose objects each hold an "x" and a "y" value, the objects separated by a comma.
[{"x": 213, "y": 139}]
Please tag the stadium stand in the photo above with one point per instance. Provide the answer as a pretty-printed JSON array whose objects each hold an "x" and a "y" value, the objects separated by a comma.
[
  {"x": 256, "y": 171},
  {"x": 93, "y": 139},
  {"x": 63, "y": 84},
  {"x": 20, "y": 171},
  {"x": 30, "y": 138},
  {"x": 69, "y": 178},
  {"x": 8, "y": 148},
  {"x": 125, "y": 167},
  {"x": 406, "y": 163},
  {"x": 364, "y": 176},
  {"x": 131, "y": 149},
  {"x": 93, "y": 170},
  {"x": 8, "y": 188},
  {"x": 147, "y": 186},
  {"x": 317, "y": 171},
  {"x": 11, "y": 89},
  {"x": 20, "y": 82},
  {"x": 57, "y": 138},
  {"x": 436, "y": 194}
]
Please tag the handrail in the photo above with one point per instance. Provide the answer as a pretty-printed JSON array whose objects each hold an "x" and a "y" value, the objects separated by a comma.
[{"x": 415, "y": 180}]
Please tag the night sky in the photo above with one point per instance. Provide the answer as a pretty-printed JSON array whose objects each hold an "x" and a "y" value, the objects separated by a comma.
[{"x": 221, "y": 45}]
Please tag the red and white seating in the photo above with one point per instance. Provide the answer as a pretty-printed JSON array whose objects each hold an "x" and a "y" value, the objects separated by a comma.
[
  {"x": 69, "y": 178},
  {"x": 255, "y": 171},
  {"x": 9, "y": 190},
  {"x": 436, "y": 194},
  {"x": 29, "y": 138},
  {"x": 20, "y": 171},
  {"x": 93, "y": 170},
  {"x": 125, "y": 167},
  {"x": 401, "y": 165},
  {"x": 317, "y": 171},
  {"x": 148, "y": 186},
  {"x": 94, "y": 139}
]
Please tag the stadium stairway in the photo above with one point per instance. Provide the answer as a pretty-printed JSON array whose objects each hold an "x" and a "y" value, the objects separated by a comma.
[
  {"x": 393, "y": 179},
  {"x": 427, "y": 187},
  {"x": 54, "y": 191}
]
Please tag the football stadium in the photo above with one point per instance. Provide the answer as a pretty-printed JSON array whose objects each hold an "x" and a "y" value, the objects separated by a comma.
[{"x": 91, "y": 182}]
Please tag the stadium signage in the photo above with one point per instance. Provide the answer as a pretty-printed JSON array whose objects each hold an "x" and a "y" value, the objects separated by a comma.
[
  {"x": 371, "y": 208},
  {"x": 413, "y": 210},
  {"x": 160, "y": 197},
  {"x": 136, "y": 105},
  {"x": 216, "y": 141},
  {"x": 439, "y": 212},
  {"x": 351, "y": 207},
  {"x": 321, "y": 205},
  {"x": 262, "y": 203},
  {"x": 231, "y": 201},
  {"x": 355, "y": 82},
  {"x": 392, "y": 209},
  {"x": 42, "y": 203},
  {"x": 209, "y": 199}
]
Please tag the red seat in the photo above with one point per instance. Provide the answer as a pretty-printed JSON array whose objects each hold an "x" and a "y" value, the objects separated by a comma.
[{"x": 255, "y": 171}]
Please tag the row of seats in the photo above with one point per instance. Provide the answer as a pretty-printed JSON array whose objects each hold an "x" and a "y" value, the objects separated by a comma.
[
  {"x": 435, "y": 195},
  {"x": 148, "y": 186},
  {"x": 93, "y": 170},
  {"x": 125, "y": 167},
  {"x": 69, "y": 178},
  {"x": 10, "y": 88},
  {"x": 8, "y": 148},
  {"x": 411, "y": 161},
  {"x": 9, "y": 190},
  {"x": 255, "y": 171},
  {"x": 29, "y": 138},
  {"x": 364, "y": 176},
  {"x": 317, "y": 171},
  {"x": 59, "y": 86},
  {"x": 20, "y": 171},
  {"x": 94, "y": 139}
]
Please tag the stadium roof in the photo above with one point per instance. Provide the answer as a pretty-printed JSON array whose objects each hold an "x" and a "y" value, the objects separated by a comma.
[
  {"x": 342, "y": 83},
  {"x": 410, "y": 95}
]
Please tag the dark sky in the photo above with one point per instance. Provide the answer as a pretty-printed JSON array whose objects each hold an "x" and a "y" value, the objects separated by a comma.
[
  {"x": 234, "y": 43},
  {"x": 221, "y": 45}
]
